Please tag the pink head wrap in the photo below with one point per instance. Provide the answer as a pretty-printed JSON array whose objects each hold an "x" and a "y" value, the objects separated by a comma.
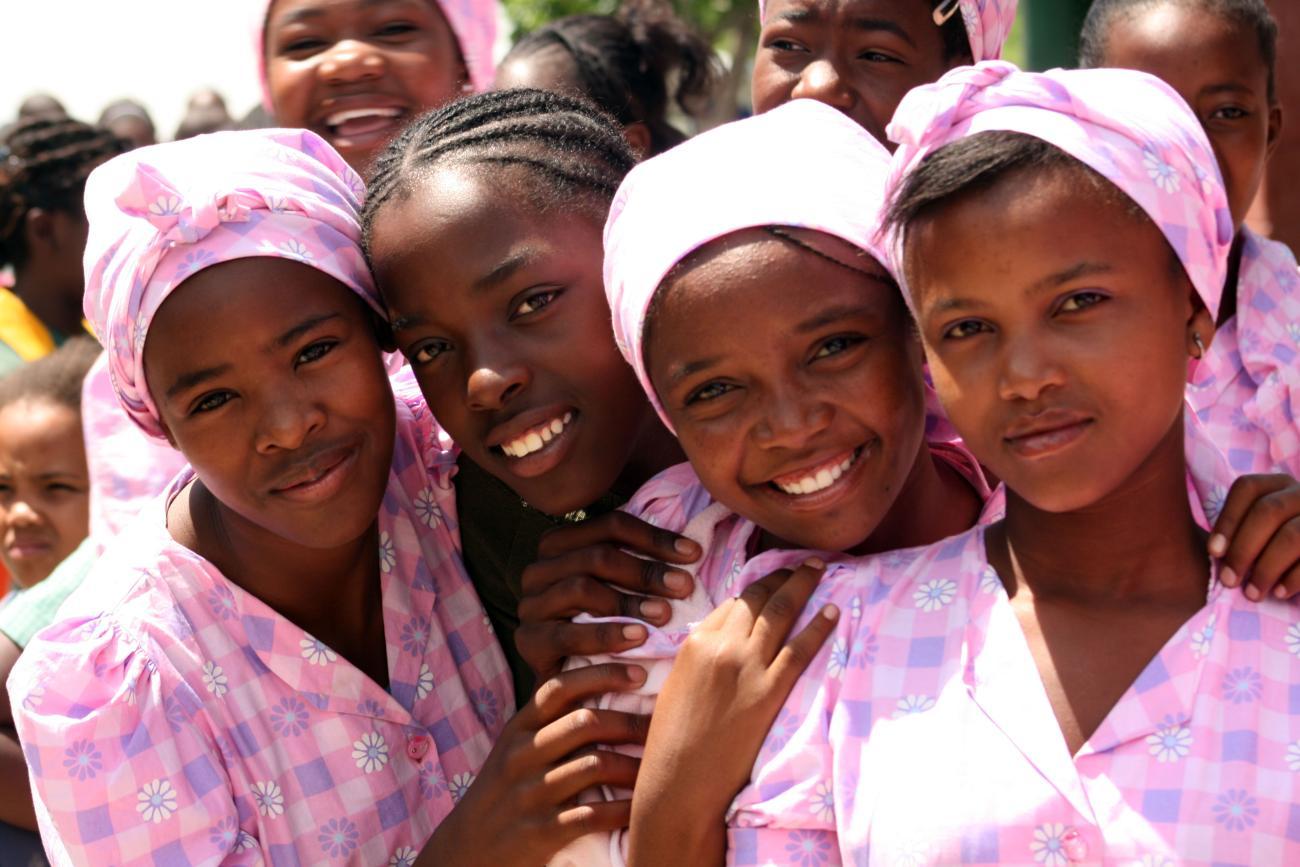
[
  {"x": 160, "y": 214},
  {"x": 1129, "y": 127},
  {"x": 987, "y": 23},
  {"x": 473, "y": 23},
  {"x": 833, "y": 177}
]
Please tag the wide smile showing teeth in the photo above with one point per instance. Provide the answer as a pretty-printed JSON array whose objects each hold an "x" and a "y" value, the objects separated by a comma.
[
  {"x": 817, "y": 478},
  {"x": 347, "y": 119},
  {"x": 535, "y": 439}
]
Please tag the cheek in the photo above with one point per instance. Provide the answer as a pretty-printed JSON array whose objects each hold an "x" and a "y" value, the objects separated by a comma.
[
  {"x": 770, "y": 85},
  {"x": 290, "y": 85}
]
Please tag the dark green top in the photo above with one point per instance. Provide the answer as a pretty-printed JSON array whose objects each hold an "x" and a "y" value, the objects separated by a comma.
[{"x": 499, "y": 534}]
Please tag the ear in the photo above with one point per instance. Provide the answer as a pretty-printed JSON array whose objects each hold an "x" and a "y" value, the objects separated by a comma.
[
  {"x": 1200, "y": 327},
  {"x": 39, "y": 230},
  {"x": 1274, "y": 128},
  {"x": 638, "y": 137}
]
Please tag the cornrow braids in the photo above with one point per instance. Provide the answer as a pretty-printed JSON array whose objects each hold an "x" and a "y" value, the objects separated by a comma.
[
  {"x": 571, "y": 150},
  {"x": 44, "y": 163}
]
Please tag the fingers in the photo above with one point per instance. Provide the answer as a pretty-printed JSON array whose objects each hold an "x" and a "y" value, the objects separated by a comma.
[
  {"x": 600, "y": 816},
  {"x": 588, "y": 769},
  {"x": 545, "y": 646},
  {"x": 743, "y": 614},
  {"x": 574, "y": 594},
  {"x": 1269, "y": 571},
  {"x": 623, "y": 531},
  {"x": 784, "y": 607},
  {"x": 1263, "y": 539},
  {"x": 1243, "y": 496},
  {"x": 606, "y": 561},
  {"x": 559, "y": 695},
  {"x": 586, "y": 727},
  {"x": 793, "y": 659}
]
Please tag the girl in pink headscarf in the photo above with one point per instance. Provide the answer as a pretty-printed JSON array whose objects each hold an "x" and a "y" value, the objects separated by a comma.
[
  {"x": 862, "y": 56},
  {"x": 357, "y": 72},
  {"x": 282, "y": 660},
  {"x": 1074, "y": 683},
  {"x": 1221, "y": 59}
]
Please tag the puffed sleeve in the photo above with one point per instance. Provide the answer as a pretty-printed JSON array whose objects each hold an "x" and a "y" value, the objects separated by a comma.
[{"x": 122, "y": 770}]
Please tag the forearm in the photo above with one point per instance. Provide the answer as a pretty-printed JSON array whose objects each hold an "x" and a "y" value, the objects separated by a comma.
[
  {"x": 673, "y": 822},
  {"x": 15, "y": 787}
]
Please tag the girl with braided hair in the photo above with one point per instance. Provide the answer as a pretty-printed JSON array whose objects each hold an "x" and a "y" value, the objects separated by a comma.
[
  {"x": 634, "y": 64},
  {"x": 44, "y": 163}
]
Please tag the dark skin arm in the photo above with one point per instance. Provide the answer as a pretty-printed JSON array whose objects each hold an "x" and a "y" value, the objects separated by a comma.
[
  {"x": 589, "y": 567},
  {"x": 727, "y": 685},
  {"x": 521, "y": 808},
  {"x": 16, "y": 791}
]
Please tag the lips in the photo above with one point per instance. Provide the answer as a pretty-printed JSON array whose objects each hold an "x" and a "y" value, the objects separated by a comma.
[
  {"x": 361, "y": 120},
  {"x": 23, "y": 549},
  {"x": 816, "y": 477},
  {"x": 534, "y": 441},
  {"x": 319, "y": 477},
  {"x": 1047, "y": 432}
]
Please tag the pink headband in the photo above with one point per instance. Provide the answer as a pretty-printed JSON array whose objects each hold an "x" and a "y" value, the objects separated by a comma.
[
  {"x": 472, "y": 22},
  {"x": 987, "y": 23},
  {"x": 160, "y": 214},
  {"x": 832, "y": 179},
  {"x": 1129, "y": 127}
]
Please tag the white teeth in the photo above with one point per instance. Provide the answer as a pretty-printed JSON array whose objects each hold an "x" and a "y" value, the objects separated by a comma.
[
  {"x": 340, "y": 117},
  {"x": 819, "y": 481},
  {"x": 536, "y": 438}
]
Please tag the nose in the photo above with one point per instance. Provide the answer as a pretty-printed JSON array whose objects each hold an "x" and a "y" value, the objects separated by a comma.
[
  {"x": 351, "y": 60},
  {"x": 23, "y": 514},
  {"x": 495, "y": 382},
  {"x": 1029, "y": 369},
  {"x": 288, "y": 421},
  {"x": 792, "y": 418},
  {"x": 821, "y": 80}
]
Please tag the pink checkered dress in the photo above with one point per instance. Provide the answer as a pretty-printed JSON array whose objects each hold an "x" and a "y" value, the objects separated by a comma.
[{"x": 171, "y": 718}]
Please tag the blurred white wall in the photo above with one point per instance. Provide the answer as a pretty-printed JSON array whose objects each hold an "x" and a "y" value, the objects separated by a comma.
[{"x": 90, "y": 52}]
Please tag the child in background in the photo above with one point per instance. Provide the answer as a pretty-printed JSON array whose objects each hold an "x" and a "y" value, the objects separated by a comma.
[
  {"x": 356, "y": 72},
  {"x": 511, "y": 344},
  {"x": 1220, "y": 55},
  {"x": 1073, "y": 683},
  {"x": 282, "y": 660},
  {"x": 43, "y": 516},
  {"x": 632, "y": 64},
  {"x": 43, "y": 168},
  {"x": 862, "y": 56}
]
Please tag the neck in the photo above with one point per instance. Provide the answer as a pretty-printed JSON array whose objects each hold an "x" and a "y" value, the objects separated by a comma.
[
  {"x": 1140, "y": 543},
  {"x": 332, "y": 593},
  {"x": 47, "y": 301},
  {"x": 656, "y": 450},
  {"x": 934, "y": 503}
]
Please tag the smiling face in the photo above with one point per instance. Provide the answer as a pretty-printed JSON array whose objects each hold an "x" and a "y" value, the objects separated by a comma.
[
  {"x": 859, "y": 56},
  {"x": 1059, "y": 348},
  {"x": 355, "y": 72},
  {"x": 278, "y": 399},
  {"x": 501, "y": 311},
  {"x": 44, "y": 487},
  {"x": 1215, "y": 65},
  {"x": 794, "y": 383}
]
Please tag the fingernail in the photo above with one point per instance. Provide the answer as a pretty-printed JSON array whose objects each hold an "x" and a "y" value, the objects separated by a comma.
[
  {"x": 677, "y": 580},
  {"x": 1252, "y": 593},
  {"x": 831, "y": 612},
  {"x": 686, "y": 546},
  {"x": 815, "y": 563},
  {"x": 634, "y": 633},
  {"x": 1218, "y": 545},
  {"x": 1227, "y": 577},
  {"x": 653, "y": 609},
  {"x": 636, "y": 674},
  {"x": 1279, "y": 592}
]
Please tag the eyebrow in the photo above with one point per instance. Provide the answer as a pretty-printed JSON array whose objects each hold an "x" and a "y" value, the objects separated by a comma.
[
  {"x": 401, "y": 323},
  {"x": 1051, "y": 281},
  {"x": 691, "y": 368},
  {"x": 302, "y": 328},
  {"x": 299, "y": 15},
  {"x": 857, "y": 22},
  {"x": 830, "y": 317},
  {"x": 189, "y": 380},
  {"x": 503, "y": 270},
  {"x": 1225, "y": 87}
]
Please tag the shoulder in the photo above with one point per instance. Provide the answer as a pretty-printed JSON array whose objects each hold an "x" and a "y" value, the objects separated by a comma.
[{"x": 671, "y": 499}]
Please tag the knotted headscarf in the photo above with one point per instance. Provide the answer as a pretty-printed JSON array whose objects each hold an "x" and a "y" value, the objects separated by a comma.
[
  {"x": 1129, "y": 127},
  {"x": 160, "y": 214}
]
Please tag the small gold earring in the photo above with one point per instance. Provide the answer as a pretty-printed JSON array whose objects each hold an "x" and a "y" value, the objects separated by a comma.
[{"x": 1200, "y": 346}]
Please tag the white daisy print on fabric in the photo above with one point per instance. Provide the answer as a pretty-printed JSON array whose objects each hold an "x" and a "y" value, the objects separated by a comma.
[
  {"x": 460, "y": 785},
  {"x": 910, "y": 704},
  {"x": 839, "y": 658},
  {"x": 935, "y": 594},
  {"x": 370, "y": 752},
  {"x": 295, "y": 249},
  {"x": 822, "y": 802},
  {"x": 315, "y": 651},
  {"x": 156, "y": 801},
  {"x": 1293, "y": 638},
  {"x": 1170, "y": 742},
  {"x": 269, "y": 799},
  {"x": 1163, "y": 175},
  {"x": 214, "y": 679},
  {"x": 1202, "y": 637},
  {"x": 1293, "y": 756},
  {"x": 165, "y": 206},
  {"x": 424, "y": 683},
  {"x": 428, "y": 509},
  {"x": 403, "y": 857},
  {"x": 387, "y": 552},
  {"x": 1048, "y": 845}
]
